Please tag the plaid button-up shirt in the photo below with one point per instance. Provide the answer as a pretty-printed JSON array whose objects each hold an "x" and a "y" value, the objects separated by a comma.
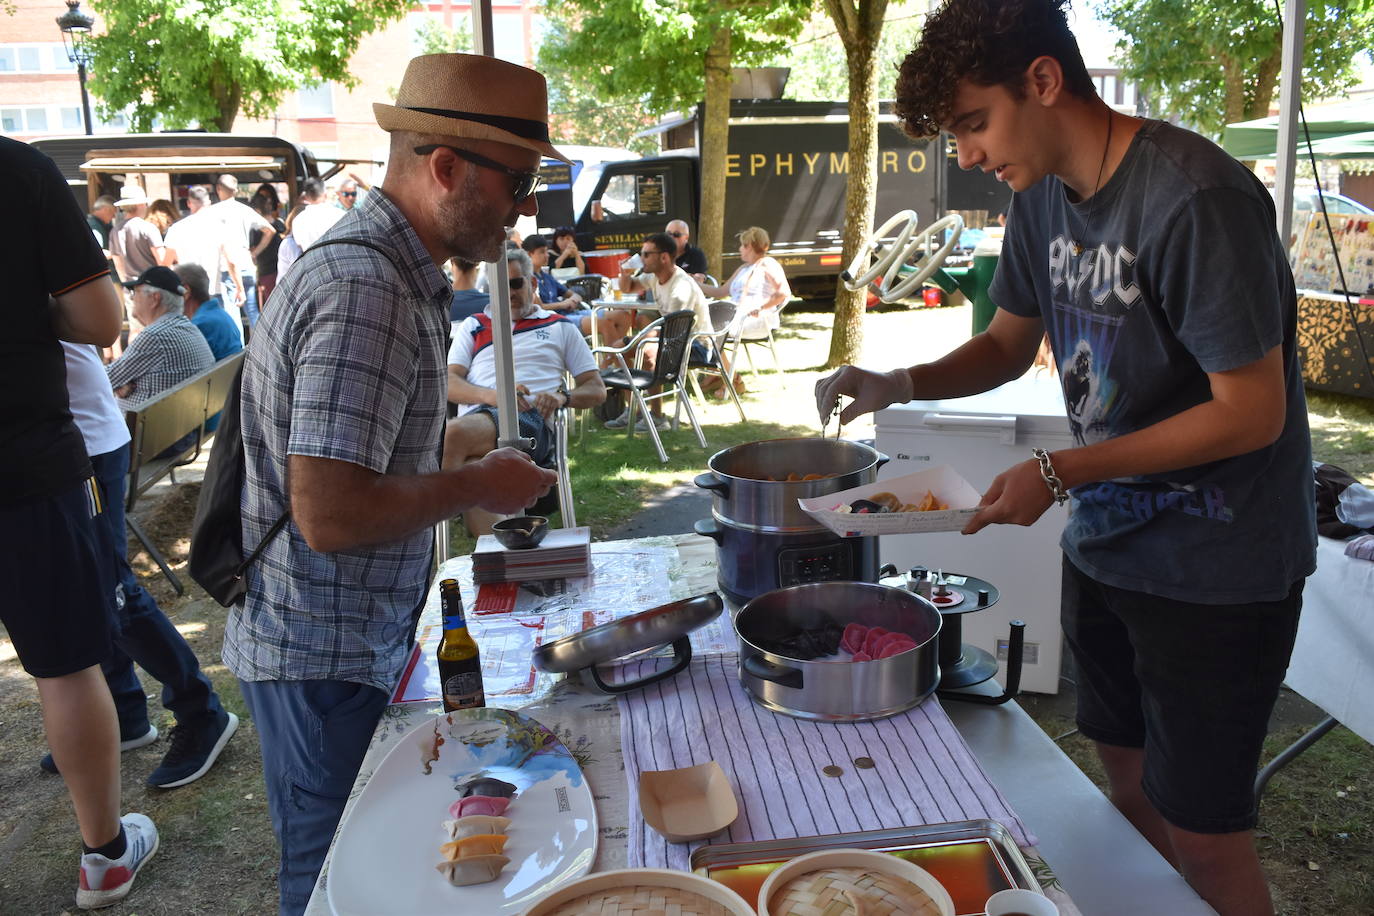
[
  {"x": 348, "y": 364},
  {"x": 162, "y": 355}
]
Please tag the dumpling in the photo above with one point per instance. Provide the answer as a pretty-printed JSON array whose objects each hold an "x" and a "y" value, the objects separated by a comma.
[
  {"x": 479, "y": 804},
  {"x": 475, "y": 825},
  {"x": 472, "y": 870},
  {"x": 483, "y": 844},
  {"x": 485, "y": 785}
]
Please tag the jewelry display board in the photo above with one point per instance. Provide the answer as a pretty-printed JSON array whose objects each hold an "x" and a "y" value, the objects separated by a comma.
[{"x": 1314, "y": 261}]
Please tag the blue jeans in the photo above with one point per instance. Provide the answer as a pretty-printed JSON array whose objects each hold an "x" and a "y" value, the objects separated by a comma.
[
  {"x": 250, "y": 293},
  {"x": 141, "y": 632},
  {"x": 313, "y": 736}
]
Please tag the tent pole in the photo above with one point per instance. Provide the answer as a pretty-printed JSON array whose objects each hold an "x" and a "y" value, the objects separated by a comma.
[
  {"x": 498, "y": 282},
  {"x": 1290, "y": 98}
]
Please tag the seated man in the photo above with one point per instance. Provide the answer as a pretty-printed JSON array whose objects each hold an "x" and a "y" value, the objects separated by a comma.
[
  {"x": 169, "y": 350},
  {"x": 673, "y": 290},
  {"x": 545, "y": 347},
  {"x": 221, "y": 331},
  {"x": 611, "y": 324}
]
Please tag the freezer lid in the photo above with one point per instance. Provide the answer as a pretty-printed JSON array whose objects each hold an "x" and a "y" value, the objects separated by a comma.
[{"x": 1035, "y": 401}]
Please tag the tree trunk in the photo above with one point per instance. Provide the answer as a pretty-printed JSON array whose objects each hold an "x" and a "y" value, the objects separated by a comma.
[
  {"x": 715, "y": 134},
  {"x": 228, "y": 93},
  {"x": 860, "y": 26}
]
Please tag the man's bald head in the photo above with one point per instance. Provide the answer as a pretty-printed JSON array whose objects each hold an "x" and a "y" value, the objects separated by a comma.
[{"x": 679, "y": 232}]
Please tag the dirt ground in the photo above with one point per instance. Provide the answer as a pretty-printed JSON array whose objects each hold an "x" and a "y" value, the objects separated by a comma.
[{"x": 218, "y": 855}]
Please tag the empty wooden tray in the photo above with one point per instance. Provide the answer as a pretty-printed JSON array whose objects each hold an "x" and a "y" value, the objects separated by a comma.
[{"x": 691, "y": 803}]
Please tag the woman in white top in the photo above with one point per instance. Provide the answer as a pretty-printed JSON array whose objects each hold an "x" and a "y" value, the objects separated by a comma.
[{"x": 758, "y": 288}]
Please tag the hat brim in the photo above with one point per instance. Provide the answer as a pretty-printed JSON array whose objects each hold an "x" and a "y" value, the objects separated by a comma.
[
  {"x": 132, "y": 201},
  {"x": 391, "y": 117}
]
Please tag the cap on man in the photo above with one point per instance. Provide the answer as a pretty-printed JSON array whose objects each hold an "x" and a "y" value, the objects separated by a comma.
[{"x": 343, "y": 402}]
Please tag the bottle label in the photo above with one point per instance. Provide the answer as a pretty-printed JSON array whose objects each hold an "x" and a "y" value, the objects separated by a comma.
[
  {"x": 454, "y": 622},
  {"x": 464, "y": 691}
]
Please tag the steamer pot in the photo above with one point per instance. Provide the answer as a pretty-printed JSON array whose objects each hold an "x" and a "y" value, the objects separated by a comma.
[
  {"x": 834, "y": 690},
  {"x": 746, "y": 498}
]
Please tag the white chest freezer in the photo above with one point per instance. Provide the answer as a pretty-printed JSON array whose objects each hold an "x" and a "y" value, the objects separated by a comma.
[{"x": 980, "y": 437}]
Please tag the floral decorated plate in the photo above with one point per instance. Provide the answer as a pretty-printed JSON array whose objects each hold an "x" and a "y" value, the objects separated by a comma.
[{"x": 387, "y": 849}]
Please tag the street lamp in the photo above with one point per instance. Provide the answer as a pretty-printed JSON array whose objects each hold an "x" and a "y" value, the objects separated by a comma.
[{"x": 76, "y": 32}]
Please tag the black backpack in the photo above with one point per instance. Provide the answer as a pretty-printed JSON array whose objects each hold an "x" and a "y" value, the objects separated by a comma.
[{"x": 217, "y": 561}]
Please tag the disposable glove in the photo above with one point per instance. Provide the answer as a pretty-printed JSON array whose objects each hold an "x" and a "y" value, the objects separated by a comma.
[{"x": 870, "y": 391}]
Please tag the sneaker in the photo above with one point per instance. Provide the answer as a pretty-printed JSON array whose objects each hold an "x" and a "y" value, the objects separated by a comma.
[
  {"x": 107, "y": 881},
  {"x": 619, "y": 422},
  {"x": 48, "y": 765},
  {"x": 194, "y": 750},
  {"x": 660, "y": 423}
]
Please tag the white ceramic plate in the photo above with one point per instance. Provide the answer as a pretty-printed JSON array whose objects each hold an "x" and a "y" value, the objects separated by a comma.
[{"x": 387, "y": 848}]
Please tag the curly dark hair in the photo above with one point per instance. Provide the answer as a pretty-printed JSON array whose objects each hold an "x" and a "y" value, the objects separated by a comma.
[{"x": 989, "y": 42}]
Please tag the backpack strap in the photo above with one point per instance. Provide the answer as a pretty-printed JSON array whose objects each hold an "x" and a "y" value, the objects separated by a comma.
[{"x": 286, "y": 513}]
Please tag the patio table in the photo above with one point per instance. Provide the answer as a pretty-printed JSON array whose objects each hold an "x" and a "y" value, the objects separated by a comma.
[{"x": 1100, "y": 863}]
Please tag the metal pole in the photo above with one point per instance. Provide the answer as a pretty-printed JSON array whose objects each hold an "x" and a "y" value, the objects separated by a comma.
[
  {"x": 85, "y": 99},
  {"x": 1290, "y": 97}
]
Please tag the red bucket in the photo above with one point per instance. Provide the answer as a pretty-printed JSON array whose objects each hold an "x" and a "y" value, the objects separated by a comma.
[{"x": 606, "y": 263}]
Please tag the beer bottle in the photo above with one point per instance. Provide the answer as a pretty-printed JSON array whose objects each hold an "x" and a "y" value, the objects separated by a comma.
[{"x": 460, "y": 665}]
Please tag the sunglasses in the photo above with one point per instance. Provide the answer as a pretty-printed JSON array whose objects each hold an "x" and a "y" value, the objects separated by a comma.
[
  {"x": 348, "y": 193},
  {"x": 677, "y": 235},
  {"x": 517, "y": 282},
  {"x": 644, "y": 253},
  {"x": 523, "y": 183}
]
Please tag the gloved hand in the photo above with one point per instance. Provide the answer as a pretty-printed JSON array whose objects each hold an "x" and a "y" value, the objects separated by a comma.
[{"x": 870, "y": 390}]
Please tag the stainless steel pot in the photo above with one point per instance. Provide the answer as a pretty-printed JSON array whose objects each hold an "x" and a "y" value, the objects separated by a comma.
[
  {"x": 836, "y": 690},
  {"x": 746, "y": 498},
  {"x": 750, "y": 562}
]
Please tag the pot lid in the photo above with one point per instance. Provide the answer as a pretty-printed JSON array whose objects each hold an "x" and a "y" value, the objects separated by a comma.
[{"x": 658, "y": 626}]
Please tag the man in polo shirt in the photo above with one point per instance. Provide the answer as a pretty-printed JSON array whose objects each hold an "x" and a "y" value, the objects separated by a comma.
[
  {"x": 544, "y": 350},
  {"x": 343, "y": 409},
  {"x": 169, "y": 351},
  {"x": 689, "y": 257},
  {"x": 207, "y": 313}
]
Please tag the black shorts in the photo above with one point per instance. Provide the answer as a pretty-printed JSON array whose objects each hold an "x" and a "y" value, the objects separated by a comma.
[
  {"x": 1191, "y": 684},
  {"x": 59, "y": 583},
  {"x": 532, "y": 426}
]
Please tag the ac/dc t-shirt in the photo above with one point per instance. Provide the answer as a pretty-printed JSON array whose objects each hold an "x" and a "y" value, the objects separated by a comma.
[
  {"x": 1181, "y": 273},
  {"x": 49, "y": 252}
]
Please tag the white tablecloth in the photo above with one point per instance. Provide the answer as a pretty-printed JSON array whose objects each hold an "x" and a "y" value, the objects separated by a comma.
[{"x": 1333, "y": 660}]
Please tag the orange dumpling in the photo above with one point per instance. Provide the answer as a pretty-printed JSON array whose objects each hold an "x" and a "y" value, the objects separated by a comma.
[{"x": 482, "y": 844}]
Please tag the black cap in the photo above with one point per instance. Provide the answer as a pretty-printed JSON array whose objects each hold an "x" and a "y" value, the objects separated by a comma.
[{"x": 161, "y": 277}]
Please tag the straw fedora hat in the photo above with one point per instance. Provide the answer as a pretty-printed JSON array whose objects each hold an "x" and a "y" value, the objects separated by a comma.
[
  {"x": 130, "y": 195},
  {"x": 474, "y": 97}
]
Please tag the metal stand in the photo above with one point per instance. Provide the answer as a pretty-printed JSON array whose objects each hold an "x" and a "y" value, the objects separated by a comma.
[
  {"x": 1291, "y": 752},
  {"x": 156, "y": 554}
]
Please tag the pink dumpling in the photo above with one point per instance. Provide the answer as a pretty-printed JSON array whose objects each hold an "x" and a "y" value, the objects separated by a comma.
[
  {"x": 895, "y": 647},
  {"x": 871, "y": 641},
  {"x": 479, "y": 804},
  {"x": 853, "y": 638}
]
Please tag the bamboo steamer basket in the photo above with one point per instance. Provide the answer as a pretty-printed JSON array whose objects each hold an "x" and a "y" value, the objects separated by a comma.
[
  {"x": 642, "y": 892},
  {"x": 824, "y": 884}
]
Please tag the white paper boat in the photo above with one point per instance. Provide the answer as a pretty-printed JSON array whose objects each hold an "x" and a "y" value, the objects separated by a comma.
[{"x": 943, "y": 481}]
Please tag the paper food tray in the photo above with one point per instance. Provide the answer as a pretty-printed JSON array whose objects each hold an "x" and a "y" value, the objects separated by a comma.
[{"x": 943, "y": 481}]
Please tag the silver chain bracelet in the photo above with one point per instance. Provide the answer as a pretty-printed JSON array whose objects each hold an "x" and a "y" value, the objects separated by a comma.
[{"x": 1051, "y": 479}]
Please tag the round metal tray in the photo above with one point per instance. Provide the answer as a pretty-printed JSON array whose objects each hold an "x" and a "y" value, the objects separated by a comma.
[{"x": 664, "y": 625}]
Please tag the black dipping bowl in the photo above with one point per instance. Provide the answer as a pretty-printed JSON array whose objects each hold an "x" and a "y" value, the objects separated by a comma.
[{"x": 522, "y": 532}]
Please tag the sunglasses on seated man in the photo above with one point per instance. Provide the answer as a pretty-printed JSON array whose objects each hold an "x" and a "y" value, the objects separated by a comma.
[{"x": 523, "y": 183}]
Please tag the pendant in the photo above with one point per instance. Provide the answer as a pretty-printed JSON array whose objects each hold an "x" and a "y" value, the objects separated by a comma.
[{"x": 1077, "y": 248}]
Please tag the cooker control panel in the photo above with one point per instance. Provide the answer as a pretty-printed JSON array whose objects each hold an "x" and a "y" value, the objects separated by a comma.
[{"x": 815, "y": 563}]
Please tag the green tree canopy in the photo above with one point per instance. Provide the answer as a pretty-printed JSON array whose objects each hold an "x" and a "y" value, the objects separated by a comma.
[
  {"x": 820, "y": 75},
  {"x": 200, "y": 62},
  {"x": 670, "y": 54},
  {"x": 1212, "y": 62}
]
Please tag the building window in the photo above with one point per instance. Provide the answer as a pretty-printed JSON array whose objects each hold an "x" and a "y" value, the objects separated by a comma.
[
  {"x": 29, "y": 60},
  {"x": 316, "y": 102},
  {"x": 7, "y": 60},
  {"x": 36, "y": 119},
  {"x": 71, "y": 119},
  {"x": 11, "y": 120},
  {"x": 60, "y": 60}
]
